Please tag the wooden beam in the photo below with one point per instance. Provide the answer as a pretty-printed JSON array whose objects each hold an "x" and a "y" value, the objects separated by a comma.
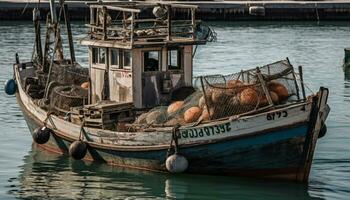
[
  {"x": 117, "y": 8},
  {"x": 169, "y": 22},
  {"x": 104, "y": 11}
]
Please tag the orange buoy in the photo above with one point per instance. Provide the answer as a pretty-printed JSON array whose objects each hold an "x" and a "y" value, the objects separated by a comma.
[
  {"x": 192, "y": 114},
  {"x": 279, "y": 89},
  {"x": 234, "y": 87},
  {"x": 274, "y": 98},
  {"x": 85, "y": 85},
  {"x": 218, "y": 96},
  {"x": 249, "y": 96},
  {"x": 174, "y": 106}
]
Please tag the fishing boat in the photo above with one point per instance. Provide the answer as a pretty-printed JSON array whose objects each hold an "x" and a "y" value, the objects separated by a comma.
[{"x": 138, "y": 104}]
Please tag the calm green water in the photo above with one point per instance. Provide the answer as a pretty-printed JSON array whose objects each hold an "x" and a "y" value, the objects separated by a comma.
[{"x": 27, "y": 173}]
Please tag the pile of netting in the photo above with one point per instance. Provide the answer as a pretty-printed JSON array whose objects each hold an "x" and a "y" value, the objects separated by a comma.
[
  {"x": 66, "y": 87},
  {"x": 222, "y": 96}
]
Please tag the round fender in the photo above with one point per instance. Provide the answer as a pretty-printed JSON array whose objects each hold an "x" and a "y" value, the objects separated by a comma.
[
  {"x": 42, "y": 135},
  {"x": 78, "y": 150},
  {"x": 176, "y": 163},
  {"x": 10, "y": 87}
]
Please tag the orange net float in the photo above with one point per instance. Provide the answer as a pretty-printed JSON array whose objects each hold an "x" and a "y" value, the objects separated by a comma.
[
  {"x": 274, "y": 98},
  {"x": 235, "y": 86},
  {"x": 249, "y": 96},
  {"x": 192, "y": 114},
  {"x": 85, "y": 85},
  {"x": 174, "y": 106},
  {"x": 279, "y": 89},
  {"x": 218, "y": 96}
]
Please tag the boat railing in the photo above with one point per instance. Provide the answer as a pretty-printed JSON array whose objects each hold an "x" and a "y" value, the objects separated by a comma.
[{"x": 141, "y": 22}]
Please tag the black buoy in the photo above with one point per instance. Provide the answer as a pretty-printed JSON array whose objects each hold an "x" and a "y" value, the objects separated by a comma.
[
  {"x": 41, "y": 135},
  {"x": 323, "y": 131},
  {"x": 78, "y": 150},
  {"x": 10, "y": 87}
]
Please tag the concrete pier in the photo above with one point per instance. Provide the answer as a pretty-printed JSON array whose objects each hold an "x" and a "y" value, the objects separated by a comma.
[{"x": 209, "y": 10}]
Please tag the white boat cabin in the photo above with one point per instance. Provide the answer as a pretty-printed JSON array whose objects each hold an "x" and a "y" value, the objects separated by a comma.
[{"x": 138, "y": 53}]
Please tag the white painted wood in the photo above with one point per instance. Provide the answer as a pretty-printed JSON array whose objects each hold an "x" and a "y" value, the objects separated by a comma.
[
  {"x": 137, "y": 78},
  {"x": 97, "y": 76},
  {"x": 188, "y": 64},
  {"x": 120, "y": 85},
  {"x": 164, "y": 63}
]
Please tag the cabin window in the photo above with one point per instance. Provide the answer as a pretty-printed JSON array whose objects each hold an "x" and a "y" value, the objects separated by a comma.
[
  {"x": 151, "y": 61},
  {"x": 114, "y": 57},
  {"x": 98, "y": 55},
  {"x": 174, "y": 59},
  {"x": 94, "y": 55},
  {"x": 102, "y": 56},
  {"x": 127, "y": 59}
]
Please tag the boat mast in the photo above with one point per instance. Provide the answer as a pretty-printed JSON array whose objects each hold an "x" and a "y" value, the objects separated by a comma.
[
  {"x": 38, "y": 47},
  {"x": 69, "y": 31}
]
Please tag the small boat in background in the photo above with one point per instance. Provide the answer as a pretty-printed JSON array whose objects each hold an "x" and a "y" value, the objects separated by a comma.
[{"x": 138, "y": 104}]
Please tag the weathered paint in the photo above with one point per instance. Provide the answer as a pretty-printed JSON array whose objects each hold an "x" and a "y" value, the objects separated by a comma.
[
  {"x": 250, "y": 146},
  {"x": 277, "y": 150}
]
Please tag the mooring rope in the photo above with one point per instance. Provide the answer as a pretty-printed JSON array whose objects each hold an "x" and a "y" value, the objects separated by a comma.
[
  {"x": 174, "y": 139},
  {"x": 82, "y": 131},
  {"x": 48, "y": 117}
]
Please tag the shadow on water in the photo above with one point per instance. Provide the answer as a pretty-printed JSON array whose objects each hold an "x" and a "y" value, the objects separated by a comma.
[{"x": 46, "y": 175}]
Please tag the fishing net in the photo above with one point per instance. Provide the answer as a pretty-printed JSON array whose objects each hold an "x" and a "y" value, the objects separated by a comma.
[
  {"x": 65, "y": 97},
  {"x": 221, "y": 96},
  {"x": 66, "y": 87}
]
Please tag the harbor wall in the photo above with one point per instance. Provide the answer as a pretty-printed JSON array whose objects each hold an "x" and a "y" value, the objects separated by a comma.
[{"x": 209, "y": 10}]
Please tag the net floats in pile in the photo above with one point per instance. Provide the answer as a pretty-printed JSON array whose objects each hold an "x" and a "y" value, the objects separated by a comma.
[
  {"x": 175, "y": 106},
  {"x": 192, "y": 114},
  {"x": 228, "y": 99}
]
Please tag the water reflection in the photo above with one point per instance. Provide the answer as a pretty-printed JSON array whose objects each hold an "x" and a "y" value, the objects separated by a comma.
[{"x": 46, "y": 175}]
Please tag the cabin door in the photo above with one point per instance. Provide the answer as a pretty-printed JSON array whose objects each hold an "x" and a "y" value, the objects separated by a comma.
[
  {"x": 162, "y": 72},
  {"x": 151, "y": 76},
  {"x": 120, "y": 76},
  {"x": 98, "y": 74}
]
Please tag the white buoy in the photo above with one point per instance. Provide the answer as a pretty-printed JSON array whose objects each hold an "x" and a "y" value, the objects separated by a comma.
[{"x": 176, "y": 163}]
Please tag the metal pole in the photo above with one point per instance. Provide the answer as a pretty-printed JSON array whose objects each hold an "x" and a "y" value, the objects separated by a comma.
[
  {"x": 69, "y": 32},
  {"x": 169, "y": 22},
  {"x": 205, "y": 98},
  {"x": 302, "y": 81},
  {"x": 53, "y": 11},
  {"x": 38, "y": 47},
  {"x": 264, "y": 87}
]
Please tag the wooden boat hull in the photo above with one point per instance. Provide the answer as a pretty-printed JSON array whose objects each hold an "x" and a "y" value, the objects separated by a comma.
[
  {"x": 275, "y": 149},
  {"x": 275, "y": 154}
]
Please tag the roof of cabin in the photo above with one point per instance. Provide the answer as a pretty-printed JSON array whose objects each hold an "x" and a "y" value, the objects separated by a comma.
[{"x": 141, "y": 24}]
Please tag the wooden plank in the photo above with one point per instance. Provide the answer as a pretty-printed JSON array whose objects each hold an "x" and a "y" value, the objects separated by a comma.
[{"x": 117, "y": 8}]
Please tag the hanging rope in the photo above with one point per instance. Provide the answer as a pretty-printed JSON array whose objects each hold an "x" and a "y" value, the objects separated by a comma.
[
  {"x": 173, "y": 147},
  {"x": 48, "y": 118},
  {"x": 82, "y": 131}
]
